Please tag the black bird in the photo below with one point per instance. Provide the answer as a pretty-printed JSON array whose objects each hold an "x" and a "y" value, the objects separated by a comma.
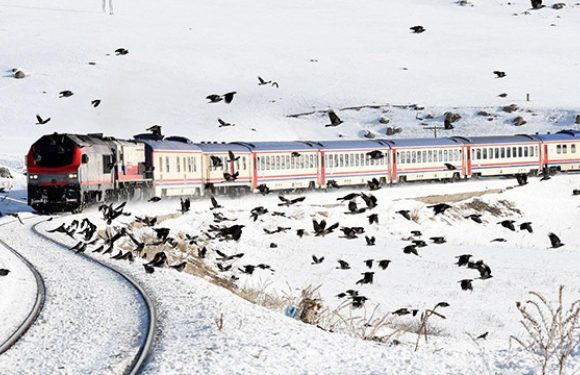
[
  {"x": 483, "y": 336},
  {"x": 555, "y": 241},
  {"x": 264, "y": 189},
  {"x": 65, "y": 94},
  {"x": 450, "y": 167},
  {"x": 154, "y": 199},
  {"x": 232, "y": 157},
  {"x": 527, "y": 226},
  {"x": 121, "y": 51},
  {"x": 358, "y": 301},
  {"x": 41, "y": 121},
  {"x": 61, "y": 229},
  {"x": 466, "y": 284},
  {"x": 118, "y": 256},
  {"x": 370, "y": 200},
  {"x": 438, "y": 240},
  {"x": 288, "y": 202},
  {"x": 498, "y": 240},
  {"x": 295, "y": 154},
  {"x": 374, "y": 184},
  {"x": 214, "y": 204},
  {"x": 185, "y": 205},
  {"x": 15, "y": 215},
  {"x": 416, "y": 233},
  {"x": 334, "y": 119},
  {"x": 343, "y": 265},
  {"x": 440, "y": 208},
  {"x": 148, "y": 268},
  {"x": 99, "y": 249},
  {"x": 224, "y": 269},
  {"x": 384, "y": 263},
  {"x": 79, "y": 247},
  {"x": 349, "y": 232},
  {"x": 228, "y": 177},
  {"x": 353, "y": 208},
  {"x": 376, "y": 154},
  {"x": 405, "y": 214},
  {"x": 348, "y": 197},
  {"x": 417, "y": 29},
  {"x": 95, "y": 103},
  {"x": 223, "y": 124},
  {"x": 179, "y": 267},
  {"x": 509, "y": 224},
  {"x": 320, "y": 229},
  {"x": 216, "y": 162},
  {"x": 248, "y": 269},
  {"x": 202, "y": 252},
  {"x": 499, "y": 74},
  {"x": 158, "y": 260},
  {"x": 4, "y": 272},
  {"x": 262, "y": 82},
  {"x": 213, "y": 98},
  {"x": 162, "y": 233},
  {"x": 370, "y": 240},
  {"x": 537, "y": 4},
  {"x": 277, "y": 230},
  {"x": 475, "y": 217},
  {"x": 368, "y": 278},
  {"x": 316, "y": 260},
  {"x": 225, "y": 258},
  {"x": 332, "y": 184},
  {"x": 369, "y": 263},
  {"x": 258, "y": 211},
  {"x": 410, "y": 249},
  {"x": 484, "y": 270},
  {"x": 300, "y": 232},
  {"x": 373, "y": 218},
  {"x": 503, "y": 95},
  {"x": 404, "y": 311},
  {"x": 463, "y": 260},
  {"x": 576, "y": 192},
  {"x": 229, "y": 97},
  {"x": 442, "y": 304}
]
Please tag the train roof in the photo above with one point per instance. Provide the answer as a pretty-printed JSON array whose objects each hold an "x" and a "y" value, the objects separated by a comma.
[
  {"x": 425, "y": 142},
  {"x": 171, "y": 144},
  {"x": 563, "y": 135},
  {"x": 223, "y": 147},
  {"x": 353, "y": 144},
  {"x": 498, "y": 140},
  {"x": 280, "y": 146}
]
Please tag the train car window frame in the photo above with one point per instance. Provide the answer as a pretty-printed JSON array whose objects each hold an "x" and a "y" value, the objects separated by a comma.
[
  {"x": 178, "y": 164},
  {"x": 161, "y": 164},
  {"x": 167, "y": 166},
  {"x": 508, "y": 152},
  {"x": 573, "y": 148},
  {"x": 558, "y": 149},
  {"x": 564, "y": 149}
]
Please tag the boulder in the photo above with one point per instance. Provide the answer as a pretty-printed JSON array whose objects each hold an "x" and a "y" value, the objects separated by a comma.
[
  {"x": 19, "y": 74},
  {"x": 510, "y": 108},
  {"x": 519, "y": 121}
]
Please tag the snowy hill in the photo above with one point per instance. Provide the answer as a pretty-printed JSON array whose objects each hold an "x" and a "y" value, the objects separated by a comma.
[{"x": 323, "y": 55}]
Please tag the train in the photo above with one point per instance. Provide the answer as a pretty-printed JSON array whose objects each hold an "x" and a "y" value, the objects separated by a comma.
[{"x": 71, "y": 171}]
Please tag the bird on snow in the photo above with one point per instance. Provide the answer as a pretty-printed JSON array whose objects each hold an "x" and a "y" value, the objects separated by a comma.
[
  {"x": 527, "y": 226},
  {"x": 334, "y": 119},
  {"x": 438, "y": 240},
  {"x": 555, "y": 241},
  {"x": 320, "y": 228},
  {"x": 369, "y": 263},
  {"x": 121, "y": 51},
  {"x": 483, "y": 336},
  {"x": 343, "y": 265},
  {"x": 410, "y": 249},
  {"x": 214, "y": 204},
  {"x": 370, "y": 240},
  {"x": 316, "y": 260},
  {"x": 503, "y": 95},
  {"x": 373, "y": 218},
  {"x": 154, "y": 199},
  {"x": 440, "y": 208},
  {"x": 4, "y": 272},
  {"x": 368, "y": 278},
  {"x": 95, "y": 103},
  {"x": 509, "y": 224},
  {"x": 179, "y": 267},
  {"x": 463, "y": 260},
  {"x": 288, "y": 202},
  {"x": 300, "y": 232},
  {"x": 466, "y": 284},
  {"x": 499, "y": 74},
  {"x": 384, "y": 263},
  {"x": 405, "y": 214},
  {"x": 348, "y": 197},
  {"x": 65, "y": 94}
]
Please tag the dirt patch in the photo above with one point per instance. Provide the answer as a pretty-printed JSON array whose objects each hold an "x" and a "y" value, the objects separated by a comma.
[
  {"x": 501, "y": 208},
  {"x": 458, "y": 197}
]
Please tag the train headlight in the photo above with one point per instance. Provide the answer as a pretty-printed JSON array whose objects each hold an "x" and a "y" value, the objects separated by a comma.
[
  {"x": 33, "y": 177},
  {"x": 73, "y": 175}
]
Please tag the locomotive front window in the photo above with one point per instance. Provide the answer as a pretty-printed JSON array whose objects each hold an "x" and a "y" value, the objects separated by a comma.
[{"x": 53, "y": 151}]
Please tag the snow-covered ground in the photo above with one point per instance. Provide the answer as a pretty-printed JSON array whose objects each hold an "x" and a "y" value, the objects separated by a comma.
[{"x": 324, "y": 54}]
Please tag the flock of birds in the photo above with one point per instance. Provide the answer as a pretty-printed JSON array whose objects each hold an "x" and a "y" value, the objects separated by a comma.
[{"x": 208, "y": 241}]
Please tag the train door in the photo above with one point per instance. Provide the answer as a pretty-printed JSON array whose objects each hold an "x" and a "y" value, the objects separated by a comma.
[
  {"x": 467, "y": 170},
  {"x": 393, "y": 169},
  {"x": 321, "y": 169}
]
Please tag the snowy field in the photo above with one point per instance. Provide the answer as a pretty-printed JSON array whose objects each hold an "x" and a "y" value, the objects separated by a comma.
[{"x": 341, "y": 55}]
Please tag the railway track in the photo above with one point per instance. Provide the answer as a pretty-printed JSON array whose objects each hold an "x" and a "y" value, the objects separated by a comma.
[
  {"x": 38, "y": 303},
  {"x": 150, "y": 312}
]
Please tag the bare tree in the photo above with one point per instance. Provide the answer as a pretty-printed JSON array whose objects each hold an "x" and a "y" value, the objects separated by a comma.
[{"x": 552, "y": 330}]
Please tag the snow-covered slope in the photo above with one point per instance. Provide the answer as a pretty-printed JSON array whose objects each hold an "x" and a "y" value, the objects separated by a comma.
[{"x": 323, "y": 55}]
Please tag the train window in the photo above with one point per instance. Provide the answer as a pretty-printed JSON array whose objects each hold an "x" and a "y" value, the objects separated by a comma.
[
  {"x": 167, "y": 164},
  {"x": 293, "y": 162},
  {"x": 277, "y": 162},
  {"x": 573, "y": 149},
  {"x": 194, "y": 164},
  {"x": 287, "y": 164},
  {"x": 238, "y": 164},
  {"x": 244, "y": 163},
  {"x": 408, "y": 156},
  {"x": 178, "y": 162},
  {"x": 440, "y": 155},
  {"x": 526, "y": 151},
  {"x": 413, "y": 157},
  {"x": 502, "y": 152},
  {"x": 520, "y": 154},
  {"x": 419, "y": 157},
  {"x": 565, "y": 149},
  {"x": 478, "y": 154},
  {"x": 514, "y": 151},
  {"x": 559, "y": 149},
  {"x": 327, "y": 161},
  {"x": 484, "y": 153},
  {"x": 509, "y": 152},
  {"x": 398, "y": 157},
  {"x": 161, "y": 163},
  {"x": 357, "y": 160},
  {"x": 341, "y": 160},
  {"x": 490, "y": 153},
  {"x": 496, "y": 149},
  {"x": 311, "y": 157}
]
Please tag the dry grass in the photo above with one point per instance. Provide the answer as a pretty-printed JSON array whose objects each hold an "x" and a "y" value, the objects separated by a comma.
[
  {"x": 501, "y": 208},
  {"x": 457, "y": 197}
]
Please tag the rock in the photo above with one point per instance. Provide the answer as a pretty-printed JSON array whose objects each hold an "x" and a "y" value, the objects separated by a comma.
[
  {"x": 384, "y": 120},
  {"x": 5, "y": 173},
  {"x": 398, "y": 130},
  {"x": 519, "y": 121},
  {"x": 558, "y": 6},
  {"x": 536, "y": 4},
  {"x": 390, "y": 130},
  {"x": 369, "y": 134},
  {"x": 483, "y": 113},
  {"x": 429, "y": 116},
  {"x": 510, "y": 108},
  {"x": 450, "y": 118},
  {"x": 19, "y": 74},
  {"x": 577, "y": 120}
]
